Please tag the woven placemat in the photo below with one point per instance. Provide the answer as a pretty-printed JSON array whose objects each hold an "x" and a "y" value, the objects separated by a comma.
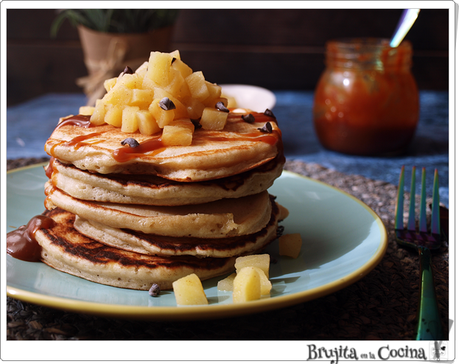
[{"x": 381, "y": 306}]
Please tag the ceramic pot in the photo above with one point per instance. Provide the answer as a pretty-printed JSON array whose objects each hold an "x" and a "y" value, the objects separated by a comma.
[{"x": 107, "y": 54}]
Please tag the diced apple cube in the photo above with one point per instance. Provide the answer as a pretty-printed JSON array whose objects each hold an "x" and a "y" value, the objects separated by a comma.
[
  {"x": 110, "y": 83},
  {"x": 114, "y": 115},
  {"x": 256, "y": 260},
  {"x": 265, "y": 283},
  {"x": 118, "y": 95},
  {"x": 148, "y": 84},
  {"x": 159, "y": 68},
  {"x": 98, "y": 116},
  {"x": 129, "y": 119},
  {"x": 197, "y": 85},
  {"x": 174, "y": 135},
  {"x": 189, "y": 291},
  {"x": 283, "y": 212},
  {"x": 214, "y": 94},
  {"x": 147, "y": 123},
  {"x": 182, "y": 67},
  {"x": 180, "y": 110},
  {"x": 86, "y": 110},
  {"x": 213, "y": 119},
  {"x": 162, "y": 117},
  {"x": 177, "y": 87},
  {"x": 194, "y": 108},
  {"x": 175, "y": 54},
  {"x": 142, "y": 70},
  {"x": 183, "y": 123},
  {"x": 130, "y": 80},
  {"x": 226, "y": 284},
  {"x": 141, "y": 98},
  {"x": 290, "y": 245},
  {"x": 232, "y": 103},
  {"x": 246, "y": 285}
]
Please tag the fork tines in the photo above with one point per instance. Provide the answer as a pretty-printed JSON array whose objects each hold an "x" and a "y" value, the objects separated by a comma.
[{"x": 435, "y": 217}]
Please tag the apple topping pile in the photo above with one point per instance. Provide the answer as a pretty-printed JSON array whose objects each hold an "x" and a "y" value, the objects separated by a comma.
[{"x": 162, "y": 95}]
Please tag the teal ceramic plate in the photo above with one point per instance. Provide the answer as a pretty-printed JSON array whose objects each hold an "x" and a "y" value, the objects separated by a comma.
[{"x": 343, "y": 240}]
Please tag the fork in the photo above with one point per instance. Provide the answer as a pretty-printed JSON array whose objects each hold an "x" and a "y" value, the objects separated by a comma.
[{"x": 429, "y": 322}]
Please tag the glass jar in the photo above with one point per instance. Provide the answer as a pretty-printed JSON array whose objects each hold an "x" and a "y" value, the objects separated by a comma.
[{"x": 366, "y": 101}]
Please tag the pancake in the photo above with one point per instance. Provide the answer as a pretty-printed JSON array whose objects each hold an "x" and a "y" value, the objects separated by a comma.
[
  {"x": 223, "y": 218},
  {"x": 239, "y": 147},
  {"x": 66, "y": 250},
  {"x": 153, "y": 190},
  {"x": 167, "y": 246}
]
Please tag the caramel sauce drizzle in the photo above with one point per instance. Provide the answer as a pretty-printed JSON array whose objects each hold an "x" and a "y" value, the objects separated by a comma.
[
  {"x": 49, "y": 170},
  {"x": 154, "y": 146},
  {"x": 82, "y": 121},
  {"x": 151, "y": 146}
]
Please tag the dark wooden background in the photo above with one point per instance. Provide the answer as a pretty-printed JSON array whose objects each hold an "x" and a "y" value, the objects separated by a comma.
[{"x": 277, "y": 49}]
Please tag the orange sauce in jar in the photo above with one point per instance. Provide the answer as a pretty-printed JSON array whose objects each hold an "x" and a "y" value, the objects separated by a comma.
[{"x": 366, "y": 101}]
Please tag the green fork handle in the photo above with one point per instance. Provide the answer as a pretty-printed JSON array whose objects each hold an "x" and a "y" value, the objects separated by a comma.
[{"x": 429, "y": 325}]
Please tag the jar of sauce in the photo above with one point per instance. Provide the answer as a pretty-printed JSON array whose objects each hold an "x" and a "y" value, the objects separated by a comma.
[{"x": 366, "y": 101}]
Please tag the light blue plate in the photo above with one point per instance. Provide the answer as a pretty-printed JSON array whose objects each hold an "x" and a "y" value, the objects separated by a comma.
[{"x": 343, "y": 240}]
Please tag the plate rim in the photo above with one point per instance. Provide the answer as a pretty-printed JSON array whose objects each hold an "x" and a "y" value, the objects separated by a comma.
[{"x": 181, "y": 313}]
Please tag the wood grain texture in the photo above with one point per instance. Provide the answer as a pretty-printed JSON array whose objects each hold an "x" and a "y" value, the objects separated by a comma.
[{"x": 273, "y": 48}]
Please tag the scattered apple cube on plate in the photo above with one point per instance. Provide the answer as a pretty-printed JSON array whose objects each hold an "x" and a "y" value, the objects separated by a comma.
[
  {"x": 188, "y": 290},
  {"x": 226, "y": 284},
  {"x": 265, "y": 283},
  {"x": 246, "y": 285},
  {"x": 290, "y": 245},
  {"x": 257, "y": 260}
]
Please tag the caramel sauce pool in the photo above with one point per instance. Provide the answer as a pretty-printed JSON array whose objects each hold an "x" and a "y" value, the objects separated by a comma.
[{"x": 22, "y": 243}]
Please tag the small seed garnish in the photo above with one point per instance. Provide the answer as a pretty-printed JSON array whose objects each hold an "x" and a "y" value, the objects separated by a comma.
[
  {"x": 269, "y": 113},
  {"x": 196, "y": 123},
  {"x": 127, "y": 70},
  {"x": 221, "y": 106},
  {"x": 248, "y": 118},
  {"x": 154, "y": 290},
  {"x": 166, "y": 104},
  {"x": 267, "y": 128},
  {"x": 131, "y": 142},
  {"x": 280, "y": 230}
]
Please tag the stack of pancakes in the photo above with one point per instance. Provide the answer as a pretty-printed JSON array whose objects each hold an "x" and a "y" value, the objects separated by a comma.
[{"x": 133, "y": 213}]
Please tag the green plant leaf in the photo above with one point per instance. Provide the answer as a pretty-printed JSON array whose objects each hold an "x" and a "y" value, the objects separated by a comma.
[{"x": 117, "y": 20}]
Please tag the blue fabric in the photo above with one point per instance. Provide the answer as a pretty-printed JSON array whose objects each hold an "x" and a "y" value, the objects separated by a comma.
[{"x": 30, "y": 124}]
